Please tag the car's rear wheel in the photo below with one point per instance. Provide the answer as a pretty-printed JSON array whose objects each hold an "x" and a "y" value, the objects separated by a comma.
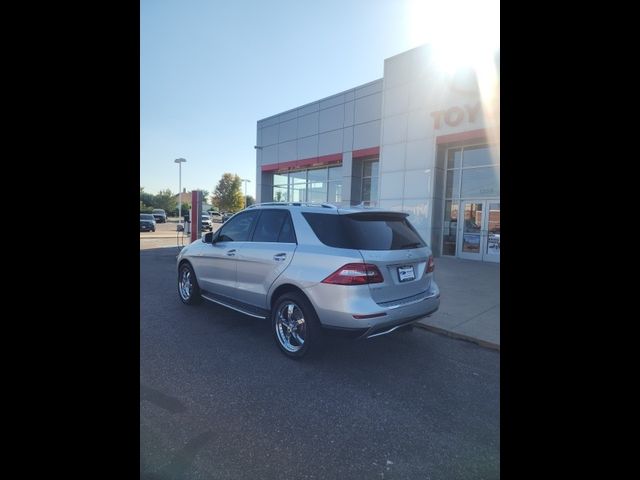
[
  {"x": 188, "y": 288},
  {"x": 295, "y": 325}
]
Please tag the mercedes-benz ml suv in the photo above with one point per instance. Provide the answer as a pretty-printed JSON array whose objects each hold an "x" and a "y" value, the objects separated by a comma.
[{"x": 309, "y": 267}]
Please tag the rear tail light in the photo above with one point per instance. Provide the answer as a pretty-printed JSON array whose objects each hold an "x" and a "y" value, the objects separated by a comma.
[
  {"x": 355, "y": 274},
  {"x": 431, "y": 265}
]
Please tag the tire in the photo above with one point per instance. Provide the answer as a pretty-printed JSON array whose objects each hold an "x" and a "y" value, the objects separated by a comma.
[
  {"x": 188, "y": 288},
  {"x": 154, "y": 230},
  {"x": 288, "y": 310}
]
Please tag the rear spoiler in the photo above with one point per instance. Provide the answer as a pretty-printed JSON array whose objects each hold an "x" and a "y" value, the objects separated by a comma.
[{"x": 375, "y": 214}]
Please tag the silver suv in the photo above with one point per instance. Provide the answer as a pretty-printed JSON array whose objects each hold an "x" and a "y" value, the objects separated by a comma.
[{"x": 311, "y": 267}]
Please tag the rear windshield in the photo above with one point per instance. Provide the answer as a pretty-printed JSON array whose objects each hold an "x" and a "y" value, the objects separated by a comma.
[
  {"x": 159, "y": 211},
  {"x": 365, "y": 231},
  {"x": 146, "y": 216}
]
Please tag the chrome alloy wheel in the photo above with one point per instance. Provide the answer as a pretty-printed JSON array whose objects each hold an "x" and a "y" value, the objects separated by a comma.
[
  {"x": 290, "y": 326},
  {"x": 185, "y": 285}
]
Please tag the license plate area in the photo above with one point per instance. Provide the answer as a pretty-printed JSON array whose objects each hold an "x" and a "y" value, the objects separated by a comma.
[{"x": 406, "y": 273}]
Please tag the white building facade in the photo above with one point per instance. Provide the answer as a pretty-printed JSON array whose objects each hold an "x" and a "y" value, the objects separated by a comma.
[{"x": 419, "y": 140}]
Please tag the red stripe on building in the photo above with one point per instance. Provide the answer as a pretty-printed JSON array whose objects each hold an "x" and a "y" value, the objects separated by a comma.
[
  {"x": 366, "y": 152},
  {"x": 319, "y": 161},
  {"x": 481, "y": 134},
  {"x": 304, "y": 162}
]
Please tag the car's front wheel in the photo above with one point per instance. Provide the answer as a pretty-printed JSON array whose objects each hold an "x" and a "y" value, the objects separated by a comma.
[
  {"x": 188, "y": 288},
  {"x": 295, "y": 325}
]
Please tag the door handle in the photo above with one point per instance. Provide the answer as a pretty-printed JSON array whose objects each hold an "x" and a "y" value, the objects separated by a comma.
[
  {"x": 280, "y": 257},
  {"x": 231, "y": 253}
]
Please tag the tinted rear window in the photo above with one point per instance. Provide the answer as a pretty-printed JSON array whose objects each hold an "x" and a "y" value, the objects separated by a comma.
[
  {"x": 274, "y": 226},
  {"x": 365, "y": 231}
]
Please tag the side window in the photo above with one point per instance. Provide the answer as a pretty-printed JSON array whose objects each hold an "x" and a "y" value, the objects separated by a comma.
[
  {"x": 269, "y": 225},
  {"x": 287, "y": 235},
  {"x": 239, "y": 227}
]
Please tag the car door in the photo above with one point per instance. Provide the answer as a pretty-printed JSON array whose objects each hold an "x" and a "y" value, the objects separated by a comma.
[
  {"x": 261, "y": 260},
  {"x": 216, "y": 265}
]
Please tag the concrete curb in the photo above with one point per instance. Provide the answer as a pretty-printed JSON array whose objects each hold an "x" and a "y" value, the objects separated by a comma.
[{"x": 459, "y": 336}]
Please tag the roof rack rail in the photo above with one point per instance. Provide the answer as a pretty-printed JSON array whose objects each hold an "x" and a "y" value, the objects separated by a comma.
[{"x": 295, "y": 204}]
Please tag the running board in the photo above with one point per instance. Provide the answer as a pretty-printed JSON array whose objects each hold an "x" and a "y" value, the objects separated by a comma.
[{"x": 249, "y": 310}]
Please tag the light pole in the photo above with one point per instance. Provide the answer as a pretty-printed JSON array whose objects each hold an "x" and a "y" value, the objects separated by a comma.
[
  {"x": 245, "y": 191},
  {"x": 180, "y": 161}
]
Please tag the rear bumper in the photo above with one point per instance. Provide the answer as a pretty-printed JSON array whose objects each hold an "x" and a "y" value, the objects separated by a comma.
[{"x": 337, "y": 311}]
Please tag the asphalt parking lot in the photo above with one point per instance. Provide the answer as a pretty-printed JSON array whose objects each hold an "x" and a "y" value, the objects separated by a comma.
[
  {"x": 218, "y": 400},
  {"x": 166, "y": 235}
]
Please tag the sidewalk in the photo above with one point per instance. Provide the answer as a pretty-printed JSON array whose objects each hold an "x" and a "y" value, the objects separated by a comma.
[{"x": 469, "y": 301}]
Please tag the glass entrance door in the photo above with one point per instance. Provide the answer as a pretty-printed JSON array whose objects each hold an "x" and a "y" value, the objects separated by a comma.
[{"x": 479, "y": 237}]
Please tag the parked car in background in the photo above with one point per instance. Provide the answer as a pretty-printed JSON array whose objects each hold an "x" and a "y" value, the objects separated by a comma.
[
  {"x": 216, "y": 217},
  {"x": 309, "y": 267},
  {"x": 147, "y": 222},
  {"x": 226, "y": 216},
  {"x": 159, "y": 215},
  {"x": 206, "y": 222}
]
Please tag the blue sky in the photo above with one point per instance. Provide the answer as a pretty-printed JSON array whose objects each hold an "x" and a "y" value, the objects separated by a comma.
[{"x": 209, "y": 70}]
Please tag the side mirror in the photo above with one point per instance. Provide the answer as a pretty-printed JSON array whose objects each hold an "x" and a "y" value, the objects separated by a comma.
[{"x": 208, "y": 237}]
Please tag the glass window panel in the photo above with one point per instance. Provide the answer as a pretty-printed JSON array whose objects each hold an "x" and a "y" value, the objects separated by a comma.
[
  {"x": 269, "y": 225},
  {"x": 335, "y": 192},
  {"x": 317, "y": 192},
  {"x": 453, "y": 184},
  {"x": 287, "y": 235},
  {"x": 374, "y": 168},
  {"x": 280, "y": 179},
  {"x": 366, "y": 169},
  {"x": 450, "y": 228},
  {"x": 454, "y": 158},
  {"x": 366, "y": 189},
  {"x": 335, "y": 173},
  {"x": 477, "y": 156},
  {"x": 493, "y": 237},
  {"x": 298, "y": 177},
  {"x": 374, "y": 191},
  {"x": 471, "y": 234},
  {"x": 317, "y": 185},
  {"x": 317, "y": 196},
  {"x": 238, "y": 228},
  {"x": 318, "y": 175},
  {"x": 298, "y": 193},
  {"x": 370, "y": 168},
  {"x": 280, "y": 194},
  {"x": 481, "y": 182},
  {"x": 494, "y": 218},
  {"x": 472, "y": 217}
]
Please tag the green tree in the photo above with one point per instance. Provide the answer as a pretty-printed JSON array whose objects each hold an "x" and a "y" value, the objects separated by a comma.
[
  {"x": 250, "y": 200},
  {"x": 227, "y": 195},
  {"x": 165, "y": 200},
  {"x": 147, "y": 201},
  {"x": 185, "y": 209}
]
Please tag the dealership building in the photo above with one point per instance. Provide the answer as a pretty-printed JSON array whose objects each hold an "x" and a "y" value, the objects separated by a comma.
[{"x": 422, "y": 140}]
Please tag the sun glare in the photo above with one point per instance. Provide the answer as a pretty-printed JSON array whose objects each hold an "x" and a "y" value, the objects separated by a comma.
[{"x": 462, "y": 33}]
